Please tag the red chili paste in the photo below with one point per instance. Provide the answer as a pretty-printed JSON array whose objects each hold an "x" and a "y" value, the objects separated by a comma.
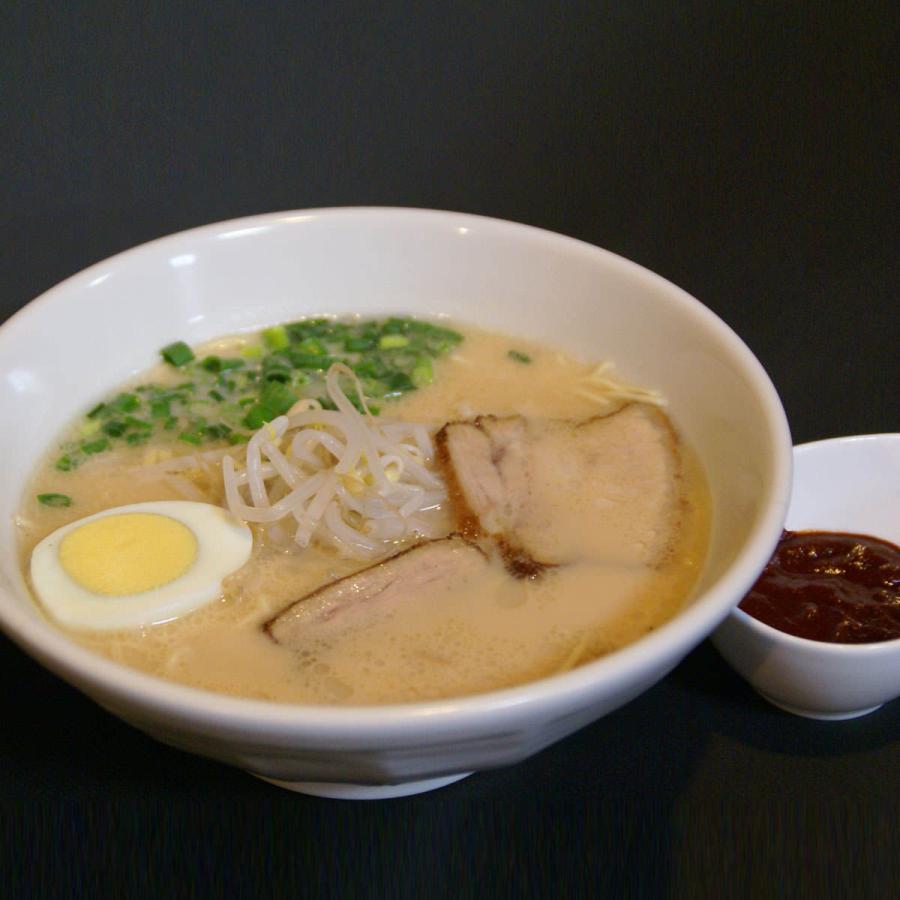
[{"x": 840, "y": 588}]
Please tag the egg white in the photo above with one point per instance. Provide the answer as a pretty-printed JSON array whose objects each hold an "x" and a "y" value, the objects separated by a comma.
[{"x": 224, "y": 544}]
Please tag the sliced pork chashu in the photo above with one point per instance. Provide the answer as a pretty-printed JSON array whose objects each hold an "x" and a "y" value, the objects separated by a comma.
[
  {"x": 417, "y": 572},
  {"x": 552, "y": 492}
]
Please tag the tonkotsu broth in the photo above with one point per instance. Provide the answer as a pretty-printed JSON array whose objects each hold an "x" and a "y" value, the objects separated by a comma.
[{"x": 471, "y": 638}]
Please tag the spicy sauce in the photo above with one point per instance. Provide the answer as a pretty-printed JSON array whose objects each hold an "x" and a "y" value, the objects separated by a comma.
[{"x": 841, "y": 588}]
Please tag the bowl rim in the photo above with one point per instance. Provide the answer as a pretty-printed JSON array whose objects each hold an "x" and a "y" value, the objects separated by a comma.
[
  {"x": 832, "y": 648},
  {"x": 178, "y": 702}
]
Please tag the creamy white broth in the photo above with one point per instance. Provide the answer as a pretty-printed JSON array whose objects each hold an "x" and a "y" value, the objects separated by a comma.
[{"x": 473, "y": 638}]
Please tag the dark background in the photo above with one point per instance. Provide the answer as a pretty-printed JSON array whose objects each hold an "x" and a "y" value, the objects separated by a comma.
[{"x": 746, "y": 152}]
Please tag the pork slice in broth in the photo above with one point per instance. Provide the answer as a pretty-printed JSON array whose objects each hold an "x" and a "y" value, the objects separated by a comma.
[
  {"x": 428, "y": 568},
  {"x": 551, "y": 492}
]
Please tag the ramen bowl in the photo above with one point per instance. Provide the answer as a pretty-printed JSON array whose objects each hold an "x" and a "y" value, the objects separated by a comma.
[
  {"x": 242, "y": 275},
  {"x": 849, "y": 485}
]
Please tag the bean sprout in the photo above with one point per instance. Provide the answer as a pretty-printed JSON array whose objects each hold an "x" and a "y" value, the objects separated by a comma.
[{"x": 343, "y": 476}]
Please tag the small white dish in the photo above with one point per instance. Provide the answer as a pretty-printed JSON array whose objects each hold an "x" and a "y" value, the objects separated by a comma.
[{"x": 850, "y": 485}]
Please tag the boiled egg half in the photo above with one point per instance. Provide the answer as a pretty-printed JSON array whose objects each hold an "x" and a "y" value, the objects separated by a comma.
[{"x": 135, "y": 565}]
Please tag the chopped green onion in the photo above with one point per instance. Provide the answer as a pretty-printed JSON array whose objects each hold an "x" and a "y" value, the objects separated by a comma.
[
  {"x": 359, "y": 344},
  {"x": 114, "y": 428},
  {"x": 301, "y": 360},
  {"x": 257, "y": 416},
  {"x": 160, "y": 408},
  {"x": 321, "y": 328},
  {"x": 367, "y": 368},
  {"x": 396, "y": 325},
  {"x": 276, "y": 338},
  {"x": 177, "y": 354},
  {"x": 519, "y": 356},
  {"x": 66, "y": 463},
  {"x": 392, "y": 341},
  {"x": 97, "y": 446},
  {"x": 217, "y": 364},
  {"x": 54, "y": 499},
  {"x": 399, "y": 382},
  {"x": 312, "y": 346},
  {"x": 123, "y": 403},
  {"x": 262, "y": 380},
  {"x": 423, "y": 373},
  {"x": 275, "y": 399},
  {"x": 276, "y": 367}
]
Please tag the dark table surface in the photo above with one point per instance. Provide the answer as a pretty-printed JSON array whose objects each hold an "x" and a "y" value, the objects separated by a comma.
[{"x": 745, "y": 152}]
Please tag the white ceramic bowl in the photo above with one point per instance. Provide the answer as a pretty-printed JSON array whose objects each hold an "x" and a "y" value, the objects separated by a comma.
[
  {"x": 81, "y": 338},
  {"x": 850, "y": 485}
]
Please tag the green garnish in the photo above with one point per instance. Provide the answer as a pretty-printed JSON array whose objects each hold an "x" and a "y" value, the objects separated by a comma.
[
  {"x": 177, "y": 354},
  {"x": 274, "y": 400},
  {"x": 392, "y": 341},
  {"x": 399, "y": 383},
  {"x": 312, "y": 346},
  {"x": 114, "y": 428},
  {"x": 276, "y": 338},
  {"x": 215, "y": 432},
  {"x": 359, "y": 344},
  {"x": 160, "y": 408},
  {"x": 217, "y": 364},
  {"x": 519, "y": 357},
  {"x": 123, "y": 403},
  {"x": 300, "y": 359},
  {"x": 66, "y": 463},
  {"x": 423, "y": 373},
  {"x": 54, "y": 499},
  {"x": 224, "y": 397},
  {"x": 97, "y": 446},
  {"x": 276, "y": 367}
]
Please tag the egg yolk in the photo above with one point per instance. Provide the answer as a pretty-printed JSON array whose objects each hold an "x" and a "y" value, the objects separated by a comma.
[{"x": 128, "y": 553}]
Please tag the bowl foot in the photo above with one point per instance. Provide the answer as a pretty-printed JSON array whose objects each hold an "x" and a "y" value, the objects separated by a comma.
[
  {"x": 340, "y": 791},
  {"x": 816, "y": 714}
]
